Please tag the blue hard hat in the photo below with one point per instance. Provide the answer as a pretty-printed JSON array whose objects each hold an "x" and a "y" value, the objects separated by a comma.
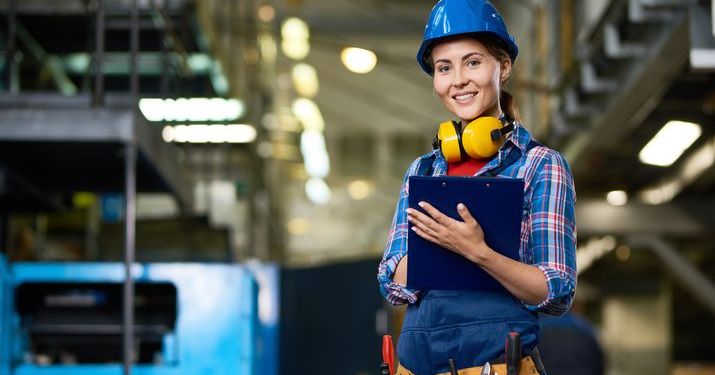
[{"x": 456, "y": 17}]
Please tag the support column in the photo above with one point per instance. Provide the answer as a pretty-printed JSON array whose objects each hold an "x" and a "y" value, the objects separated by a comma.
[{"x": 637, "y": 337}]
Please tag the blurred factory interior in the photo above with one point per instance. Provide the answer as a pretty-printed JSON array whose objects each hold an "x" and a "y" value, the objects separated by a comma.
[{"x": 246, "y": 157}]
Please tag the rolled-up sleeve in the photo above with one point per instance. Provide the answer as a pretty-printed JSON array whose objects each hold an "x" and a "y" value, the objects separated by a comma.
[
  {"x": 553, "y": 232},
  {"x": 396, "y": 249}
]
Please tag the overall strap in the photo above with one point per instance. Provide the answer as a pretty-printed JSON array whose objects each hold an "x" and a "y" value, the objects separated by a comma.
[
  {"x": 510, "y": 159},
  {"x": 425, "y": 167}
]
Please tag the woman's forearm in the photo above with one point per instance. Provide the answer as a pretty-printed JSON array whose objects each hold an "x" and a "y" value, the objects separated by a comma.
[
  {"x": 523, "y": 281},
  {"x": 400, "y": 275}
]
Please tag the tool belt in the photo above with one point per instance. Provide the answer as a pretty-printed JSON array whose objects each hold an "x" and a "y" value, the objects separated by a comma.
[{"x": 526, "y": 367}]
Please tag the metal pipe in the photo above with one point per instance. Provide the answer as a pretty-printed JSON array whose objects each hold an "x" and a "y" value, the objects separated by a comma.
[
  {"x": 129, "y": 237},
  {"x": 11, "y": 65},
  {"x": 134, "y": 42},
  {"x": 164, "y": 81},
  {"x": 130, "y": 200},
  {"x": 98, "y": 97}
]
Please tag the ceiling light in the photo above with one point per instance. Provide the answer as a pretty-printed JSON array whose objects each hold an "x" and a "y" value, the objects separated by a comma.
[
  {"x": 315, "y": 155},
  {"x": 305, "y": 80},
  {"x": 191, "y": 109},
  {"x": 670, "y": 142},
  {"x": 295, "y": 38},
  {"x": 295, "y": 49},
  {"x": 266, "y": 13},
  {"x": 295, "y": 28},
  {"x": 317, "y": 191},
  {"x": 358, "y": 60},
  {"x": 268, "y": 47},
  {"x": 359, "y": 189},
  {"x": 617, "y": 197},
  {"x": 234, "y": 133},
  {"x": 308, "y": 113},
  {"x": 298, "y": 226}
]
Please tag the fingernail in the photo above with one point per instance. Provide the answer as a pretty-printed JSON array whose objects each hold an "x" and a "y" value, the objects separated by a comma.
[
  {"x": 409, "y": 210},
  {"x": 460, "y": 206},
  {"x": 422, "y": 204}
]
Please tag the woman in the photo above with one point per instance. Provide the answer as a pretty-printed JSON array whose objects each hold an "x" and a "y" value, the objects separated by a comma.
[{"x": 469, "y": 53}]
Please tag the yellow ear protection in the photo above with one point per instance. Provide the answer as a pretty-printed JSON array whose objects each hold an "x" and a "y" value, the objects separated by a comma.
[{"x": 480, "y": 139}]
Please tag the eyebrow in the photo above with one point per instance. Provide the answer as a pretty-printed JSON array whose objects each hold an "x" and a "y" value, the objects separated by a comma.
[{"x": 463, "y": 57}]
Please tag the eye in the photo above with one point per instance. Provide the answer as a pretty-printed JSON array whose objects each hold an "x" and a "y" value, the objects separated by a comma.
[
  {"x": 443, "y": 68},
  {"x": 473, "y": 63}
]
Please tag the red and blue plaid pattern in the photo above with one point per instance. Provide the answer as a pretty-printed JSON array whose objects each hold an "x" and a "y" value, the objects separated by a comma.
[{"x": 548, "y": 231}]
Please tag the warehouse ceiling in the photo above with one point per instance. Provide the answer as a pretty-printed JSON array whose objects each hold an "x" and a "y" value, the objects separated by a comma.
[{"x": 599, "y": 123}]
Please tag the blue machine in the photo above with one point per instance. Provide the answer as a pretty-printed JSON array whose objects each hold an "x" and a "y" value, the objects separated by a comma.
[
  {"x": 189, "y": 319},
  {"x": 5, "y": 309}
]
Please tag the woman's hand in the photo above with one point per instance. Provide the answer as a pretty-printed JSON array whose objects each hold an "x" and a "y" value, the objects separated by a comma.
[
  {"x": 524, "y": 281},
  {"x": 463, "y": 237}
]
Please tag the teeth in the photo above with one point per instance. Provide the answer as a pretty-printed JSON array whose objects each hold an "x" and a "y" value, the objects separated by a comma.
[{"x": 465, "y": 96}]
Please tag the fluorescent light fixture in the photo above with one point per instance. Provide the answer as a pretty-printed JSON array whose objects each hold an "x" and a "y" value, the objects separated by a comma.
[
  {"x": 191, "y": 109},
  {"x": 358, "y": 60},
  {"x": 295, "y": 29},
  {"x": 690, "y": 169},
  {"x": 295, "y": 49},
  {"x": 267, "y": 45},
  {"x": 234, "y": 133},
  {"x": 359, "y": 189},
  {"x": 295, "y": 38},
  {"x": 317, "y": 191},
  {"x": 308, "y": 113},
  {"x": 305, "y": 80},
  {"x": 315, "y": 155},
  {"x": 594, "y": 250},
  {"x": 617, "y": 197},
  {"x": 669, "y": 143}
]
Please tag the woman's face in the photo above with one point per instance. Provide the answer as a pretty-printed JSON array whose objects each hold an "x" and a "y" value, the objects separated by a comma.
[{"x": 467, "y": 78}]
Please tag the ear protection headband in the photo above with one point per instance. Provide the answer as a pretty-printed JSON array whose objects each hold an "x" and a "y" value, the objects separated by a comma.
[{"x": 480, "y": 139}]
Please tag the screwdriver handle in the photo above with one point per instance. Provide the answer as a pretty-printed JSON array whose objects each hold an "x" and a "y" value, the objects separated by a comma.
[
  {"x": 512, "y": 353},
  {"x": 388, "y": 353}
]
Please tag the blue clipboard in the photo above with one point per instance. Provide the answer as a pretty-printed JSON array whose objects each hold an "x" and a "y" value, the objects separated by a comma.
[{"x": 497, "y": 205}]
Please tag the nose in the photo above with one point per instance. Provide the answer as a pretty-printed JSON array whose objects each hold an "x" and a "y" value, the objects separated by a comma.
[{"x": 459, "y": 79}]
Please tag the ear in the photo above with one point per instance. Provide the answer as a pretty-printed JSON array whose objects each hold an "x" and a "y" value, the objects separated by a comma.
[{"x": 505, "y": 72}]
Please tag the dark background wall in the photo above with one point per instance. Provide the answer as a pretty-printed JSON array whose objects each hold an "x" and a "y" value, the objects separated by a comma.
[{"x": 328, "y": 320}]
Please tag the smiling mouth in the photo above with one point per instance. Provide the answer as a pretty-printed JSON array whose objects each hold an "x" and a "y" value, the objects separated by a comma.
[{"x": 462, "y": 97}]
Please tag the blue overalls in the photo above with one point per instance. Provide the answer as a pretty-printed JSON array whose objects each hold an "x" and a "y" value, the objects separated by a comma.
[{"x": 468, "y": 326}]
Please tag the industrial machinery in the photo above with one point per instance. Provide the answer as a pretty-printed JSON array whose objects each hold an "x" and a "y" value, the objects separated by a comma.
[{"x": 65, "y": 318}]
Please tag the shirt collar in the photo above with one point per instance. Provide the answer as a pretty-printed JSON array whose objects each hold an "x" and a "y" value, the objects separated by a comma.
[{"x": 519, "y": 137}]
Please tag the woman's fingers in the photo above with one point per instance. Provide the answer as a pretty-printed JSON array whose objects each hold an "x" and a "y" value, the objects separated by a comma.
[
  {"x": 425, "y": 235},
  {"x": 435, "y": 214},
  {"x": 426, "y": 223},
  {"x": 466, "y": 215}
]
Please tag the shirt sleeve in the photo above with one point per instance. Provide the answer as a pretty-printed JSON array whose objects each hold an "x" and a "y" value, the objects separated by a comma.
[
  {"x": 553, "y": 233},
  {"x": 395, "y": 249}
]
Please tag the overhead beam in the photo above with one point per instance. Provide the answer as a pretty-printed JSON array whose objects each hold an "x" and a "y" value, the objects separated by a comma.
[{"x": 597, "y": 217}]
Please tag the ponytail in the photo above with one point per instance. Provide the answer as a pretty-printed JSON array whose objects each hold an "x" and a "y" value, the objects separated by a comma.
[{"x": 507, "y": 104}]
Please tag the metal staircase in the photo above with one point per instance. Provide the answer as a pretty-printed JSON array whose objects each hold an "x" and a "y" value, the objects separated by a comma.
[{"x": 611, "y": 87}]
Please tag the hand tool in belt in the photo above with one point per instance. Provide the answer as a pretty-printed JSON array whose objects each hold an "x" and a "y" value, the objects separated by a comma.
[
  {"x": 486, "y": 369},
  {"x": 512, "y": 353},
  {"x": 388, "y": 354}
]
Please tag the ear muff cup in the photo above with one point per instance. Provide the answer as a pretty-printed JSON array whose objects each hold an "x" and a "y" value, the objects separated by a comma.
[
  {"x": 477, "y": 137},
  {"x": 477, "y": 140},
  {"x": 449, "y": 140}
]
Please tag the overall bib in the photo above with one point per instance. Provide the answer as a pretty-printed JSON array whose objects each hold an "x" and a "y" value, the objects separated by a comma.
[{"x": 468, "y": 326}]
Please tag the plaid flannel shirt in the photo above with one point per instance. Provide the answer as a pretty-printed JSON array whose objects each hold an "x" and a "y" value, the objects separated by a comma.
[{"x": 548, "y": 231}]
